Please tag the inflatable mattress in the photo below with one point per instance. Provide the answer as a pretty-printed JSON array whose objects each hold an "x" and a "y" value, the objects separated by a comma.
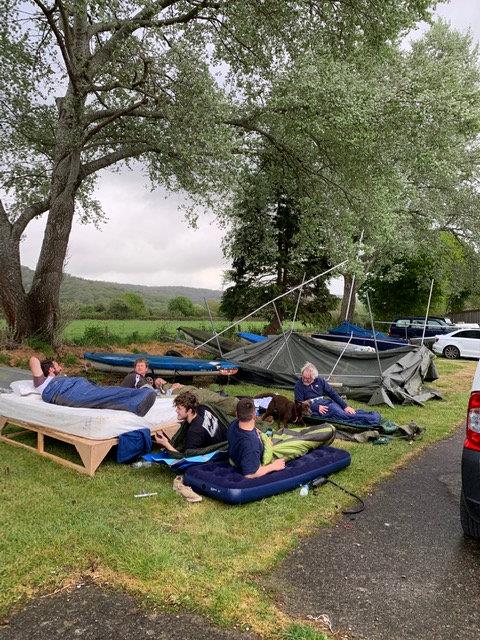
[
  {"x": 96, "y": 424},
  {"x": 222, "y": 481}
]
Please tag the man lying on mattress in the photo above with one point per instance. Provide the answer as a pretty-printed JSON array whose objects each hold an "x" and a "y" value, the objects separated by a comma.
[
  {"x": 78, "y": 392},
  {"x": 201, "y": 426},
  {"x": 255, "y": 454}
]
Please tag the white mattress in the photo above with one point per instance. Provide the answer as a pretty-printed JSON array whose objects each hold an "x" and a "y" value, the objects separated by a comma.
[{"x": 96, "y": 424}]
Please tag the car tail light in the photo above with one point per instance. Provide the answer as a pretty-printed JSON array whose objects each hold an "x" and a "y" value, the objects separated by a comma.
[{"x": 472, "y": 440}]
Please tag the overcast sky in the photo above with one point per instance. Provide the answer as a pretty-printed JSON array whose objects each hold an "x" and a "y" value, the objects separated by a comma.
[{"x": 146, "y": 239}]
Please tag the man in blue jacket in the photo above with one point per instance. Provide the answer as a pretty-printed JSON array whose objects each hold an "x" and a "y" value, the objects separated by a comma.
[{"x": 325, "y": 402}]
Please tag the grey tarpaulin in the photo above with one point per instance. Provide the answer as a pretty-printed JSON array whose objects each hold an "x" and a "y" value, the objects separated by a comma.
[
  {"x": 277, "y": 362},
  {"x": 10, "y": 374}
]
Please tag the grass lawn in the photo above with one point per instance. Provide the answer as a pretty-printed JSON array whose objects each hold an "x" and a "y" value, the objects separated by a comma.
[{"x": 206, "y": 557}]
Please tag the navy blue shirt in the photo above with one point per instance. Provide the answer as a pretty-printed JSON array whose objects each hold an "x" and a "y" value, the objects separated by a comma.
[
  {"x": 318, "y": 388},
  {"x": 245, "y": 448}
]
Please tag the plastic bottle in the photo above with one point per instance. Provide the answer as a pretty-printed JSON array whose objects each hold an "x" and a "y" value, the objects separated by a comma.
[
  {"x": 304, "y": 490},
  {"x": 141, "y": 463}
]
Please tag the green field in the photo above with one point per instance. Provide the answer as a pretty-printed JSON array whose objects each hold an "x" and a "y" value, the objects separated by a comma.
[
  {"x": 213, "y": 559},
  {"x": 76, "y": 328}
]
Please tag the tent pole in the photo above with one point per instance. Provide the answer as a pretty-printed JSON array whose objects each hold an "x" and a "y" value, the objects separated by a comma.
[
  {"x": 285, "y": 339},
  {"x": 298, "y": 304},
  {"x": 282, "y": 295},
  {"x": 374, "y": 336},
  {"x": 213, "y": 327},
  {"x": 428, "y": 309},
  {"x": 340, "y": 357}
]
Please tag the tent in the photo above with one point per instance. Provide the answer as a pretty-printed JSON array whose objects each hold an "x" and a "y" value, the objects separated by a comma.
[{"x": 278, "y": 361}]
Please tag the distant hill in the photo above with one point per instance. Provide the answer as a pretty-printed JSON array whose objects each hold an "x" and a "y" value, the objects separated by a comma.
[{"x": 89, "y": 292}]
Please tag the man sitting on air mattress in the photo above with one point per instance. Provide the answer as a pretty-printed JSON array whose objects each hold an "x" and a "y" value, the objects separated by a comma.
[{"x": 255, "y": 454}]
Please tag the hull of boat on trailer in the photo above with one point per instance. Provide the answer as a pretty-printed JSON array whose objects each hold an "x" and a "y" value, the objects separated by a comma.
[{"x": 160, "y": 365}]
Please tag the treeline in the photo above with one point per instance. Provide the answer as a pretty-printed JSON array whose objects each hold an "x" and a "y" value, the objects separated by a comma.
[
  {"x": 131, "y": 306},
  {"x": 82, "y": 298},
  {"x": 93, "y": 293}
]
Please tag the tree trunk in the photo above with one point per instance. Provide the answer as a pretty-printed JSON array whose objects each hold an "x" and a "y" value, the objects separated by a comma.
[
  {"x": 38, "y": 312},
  {"x": 44, "y": 295},
  {"x": 349, "y": 298},
  {"x": 12, "y": 294}
]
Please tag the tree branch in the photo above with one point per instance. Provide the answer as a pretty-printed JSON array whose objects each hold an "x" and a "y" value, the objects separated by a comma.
[
  {"x": 147, "y": 21},
  {"x": 28, "y": 214},
  {"x": 112, "y": 117},
  {"x": 123, "y": 153},
  {"x": 48, "y": 13}
]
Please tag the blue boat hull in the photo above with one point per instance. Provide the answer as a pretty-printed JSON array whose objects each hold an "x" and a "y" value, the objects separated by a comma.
[
  {"x": 159, "y": 365},
  {"x": 383, "y": 345}
]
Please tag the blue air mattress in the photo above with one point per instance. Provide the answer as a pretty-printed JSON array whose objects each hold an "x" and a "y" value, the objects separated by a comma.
[{"x": 223, "y": 482}]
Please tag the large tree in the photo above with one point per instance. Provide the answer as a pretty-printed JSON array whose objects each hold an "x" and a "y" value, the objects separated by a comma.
[
  {"x": 87, "y": 85},
  {"x": 386, "y": 144},
  {"x": 267, "y": 253}
]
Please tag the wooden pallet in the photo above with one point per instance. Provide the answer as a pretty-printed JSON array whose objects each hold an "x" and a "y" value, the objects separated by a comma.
[{"x": 91, "y": 452}]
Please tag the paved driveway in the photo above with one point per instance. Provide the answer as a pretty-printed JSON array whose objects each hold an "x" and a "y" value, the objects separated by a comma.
[{"x": 401, "y": 569}]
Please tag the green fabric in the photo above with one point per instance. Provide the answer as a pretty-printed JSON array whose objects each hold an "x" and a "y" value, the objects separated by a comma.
[
  {"x": 267, "y": 449},
  {"x": 293, "y": 443},
  {"x": 226, "y": 404}
]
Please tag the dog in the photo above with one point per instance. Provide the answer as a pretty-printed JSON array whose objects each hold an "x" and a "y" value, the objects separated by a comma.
[{"x": 283, "y": 410}]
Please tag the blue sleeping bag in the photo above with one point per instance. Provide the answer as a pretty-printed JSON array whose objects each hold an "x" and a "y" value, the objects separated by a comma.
[
  {"x": 222, "y": 481},
  {"x": 78, "y": 392}
]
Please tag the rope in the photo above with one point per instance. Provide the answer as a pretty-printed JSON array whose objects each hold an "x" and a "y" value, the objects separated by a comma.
[{"x": 318, "y": 482}]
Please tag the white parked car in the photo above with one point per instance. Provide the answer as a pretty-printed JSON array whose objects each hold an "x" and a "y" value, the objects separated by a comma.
[{"x": 462, "y": 343}]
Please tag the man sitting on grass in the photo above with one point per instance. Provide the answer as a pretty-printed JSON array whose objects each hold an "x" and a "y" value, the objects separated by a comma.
[
  {"x": 255, "y": 454},
  {"x": 138, "y": 377}
]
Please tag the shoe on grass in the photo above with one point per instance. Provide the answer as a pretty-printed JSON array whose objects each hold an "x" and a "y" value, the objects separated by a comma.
[{"x": 185, "y": 491}]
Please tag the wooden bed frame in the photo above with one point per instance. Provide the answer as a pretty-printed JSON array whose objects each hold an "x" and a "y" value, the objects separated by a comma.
[{"x": 91, "y": 452}]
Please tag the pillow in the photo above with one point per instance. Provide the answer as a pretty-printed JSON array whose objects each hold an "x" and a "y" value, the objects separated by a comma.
[{"x": 23, "y": 387}]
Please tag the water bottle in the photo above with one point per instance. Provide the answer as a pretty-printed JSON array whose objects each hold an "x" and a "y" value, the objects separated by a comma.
[
  {"x": 140, "y": 464},
  {"x": 304, "y": 490}
]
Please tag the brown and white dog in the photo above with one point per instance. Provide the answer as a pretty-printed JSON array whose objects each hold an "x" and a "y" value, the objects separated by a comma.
[{"x": 281, "y": 409}]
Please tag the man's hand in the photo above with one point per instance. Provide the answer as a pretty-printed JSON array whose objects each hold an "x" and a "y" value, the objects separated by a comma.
[
  {"x": 162, "y": 440},
  {"x": 278, "y": 465},
  {"x": 322, "y": 409},
  {"x": 176, "y": 385},
  {"x": 159, "y": 382},
  {"x": 350, "y": 410}
]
